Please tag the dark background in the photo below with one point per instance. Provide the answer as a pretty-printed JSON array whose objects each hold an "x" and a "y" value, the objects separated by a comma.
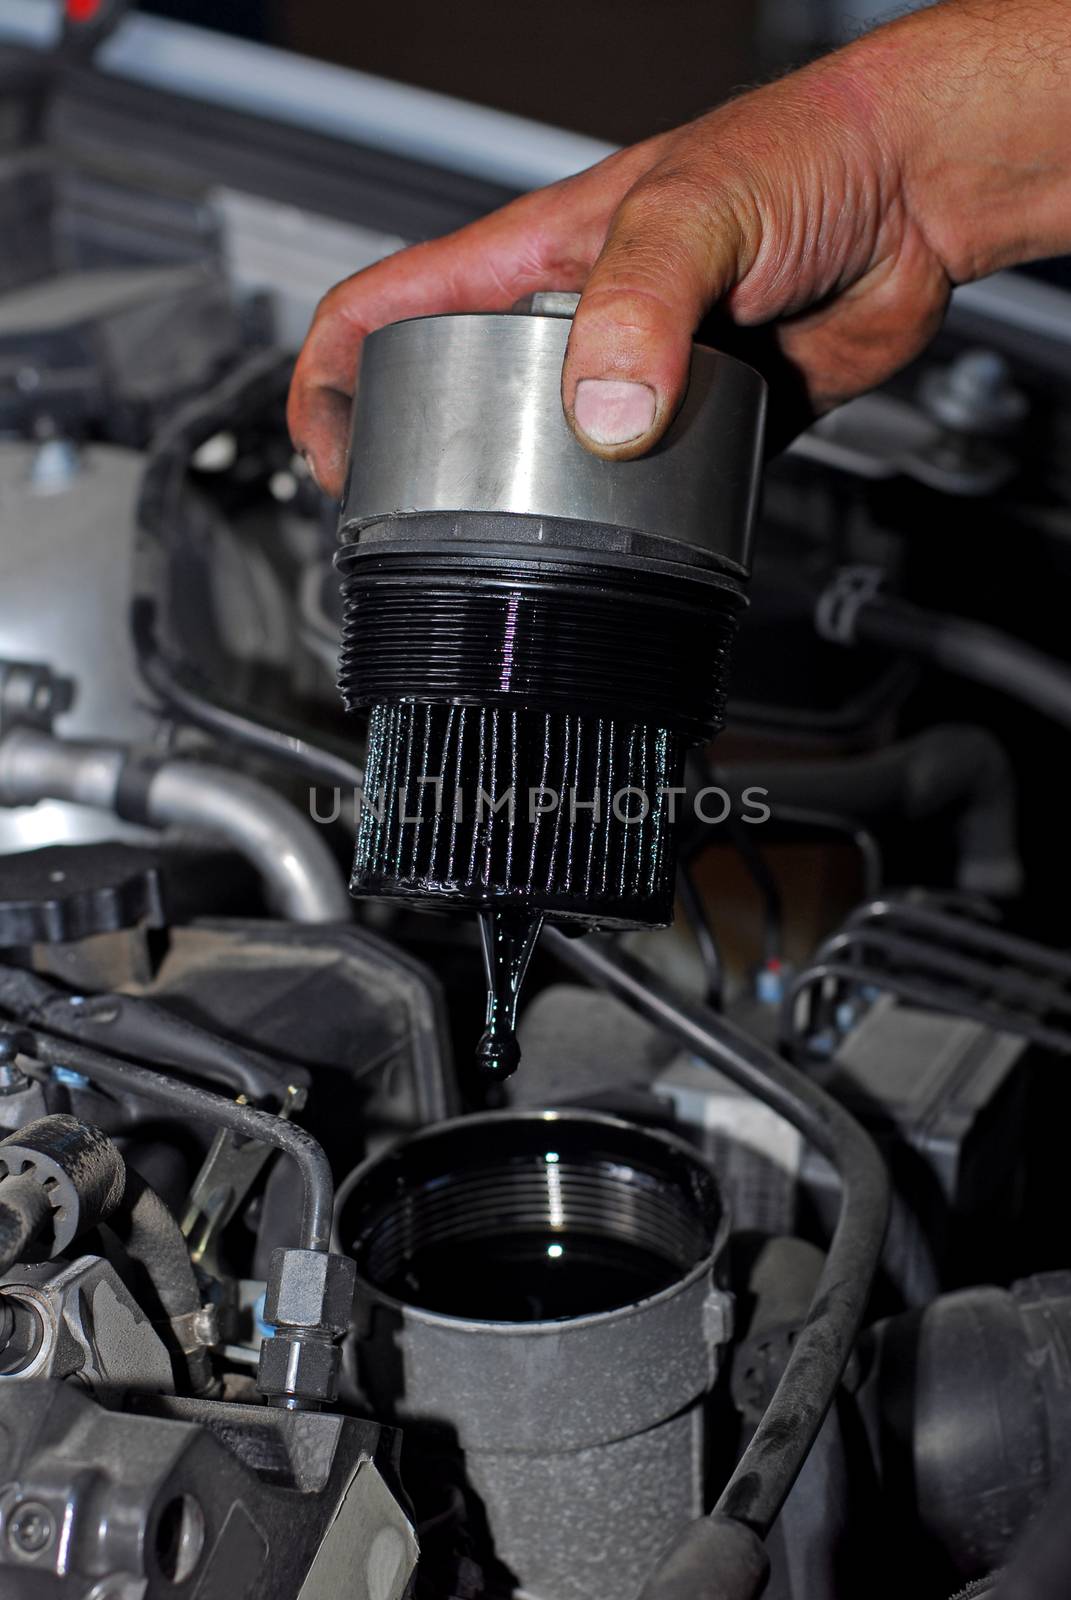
[{"x": 616, "y": 69}]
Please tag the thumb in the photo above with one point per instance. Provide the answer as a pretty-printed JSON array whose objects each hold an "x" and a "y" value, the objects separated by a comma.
[{"x": 671, "y": 252}]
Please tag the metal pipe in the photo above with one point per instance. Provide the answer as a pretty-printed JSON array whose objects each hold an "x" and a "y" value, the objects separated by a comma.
[
  {"x": 190, "y": 1101},
  {"x": 34, "y": 766},
  {"x": 133, "y": 1025},
  {"x": 769, "y": 1466},
  {"x": 189, "y": 706},
  {"x": 301, "y": 877}
]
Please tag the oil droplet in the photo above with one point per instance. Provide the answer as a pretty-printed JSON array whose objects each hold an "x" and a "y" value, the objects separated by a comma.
[{"x": 508, "y": 939}]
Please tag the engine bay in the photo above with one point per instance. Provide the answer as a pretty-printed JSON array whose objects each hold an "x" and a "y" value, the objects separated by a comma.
[{"x": 750, "y": 1278}]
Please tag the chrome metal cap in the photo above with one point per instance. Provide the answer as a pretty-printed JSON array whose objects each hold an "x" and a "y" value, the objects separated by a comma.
[{"x": 463, "y": 414}]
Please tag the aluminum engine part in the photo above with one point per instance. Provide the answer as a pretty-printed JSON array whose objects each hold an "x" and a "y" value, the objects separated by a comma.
[
  {"x": 308, "y": 1305},
  {"x": 186, "y": 1498},
  {"x": 79, "y": 1321},
  {"x": 65, "y": 559},
  {"x": 76, "y": 1167},
  {"x": 552, "y": 1311}
]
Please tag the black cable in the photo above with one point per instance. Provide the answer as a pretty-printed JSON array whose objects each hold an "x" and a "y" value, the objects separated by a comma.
[
  {"x": 769, "y": 1466},
  {"x": 704, "y": 833},
  {"x": 200, "y": 1104},
  {"x": 863, "y": 840},
  {"x": 962, "y": 930},
  {"x": 132, "y": 1025},
  {"x": 153, "y": 1241},
  {"x": 706, "y": 939},
  {"x": 918, "y": 993},
  {"x": 970, "y": 650},
  {"x": 931, "y": 959},
  {"x": 230, "y": 726},
  {"x": 259, "y": 382}
]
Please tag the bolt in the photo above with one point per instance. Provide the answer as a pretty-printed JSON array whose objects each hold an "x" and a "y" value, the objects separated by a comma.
[
  {"x": 976, "y": 395},
  {"x": 30, "y": 1527},
  {"x": 979, "y": 372}
]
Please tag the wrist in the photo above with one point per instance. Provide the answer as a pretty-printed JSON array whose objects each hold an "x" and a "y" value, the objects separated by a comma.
[{"x": 971, "y": 100}]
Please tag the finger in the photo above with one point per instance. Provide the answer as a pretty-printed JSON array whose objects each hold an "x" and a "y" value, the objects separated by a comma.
[
  {"x": 453, "y": 274},
  {"x": 872, "y": 329},
  {"x": 545, "y": 240},
  {"x": 674, "y": 248}
]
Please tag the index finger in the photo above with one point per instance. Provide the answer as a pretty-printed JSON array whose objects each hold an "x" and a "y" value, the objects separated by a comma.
[
  {"x": 485, "y": 267},
  {"x": 544, "y": 240}
]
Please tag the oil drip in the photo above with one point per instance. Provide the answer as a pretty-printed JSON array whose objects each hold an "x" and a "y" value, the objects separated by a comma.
[{"x": 508, "y": 939}]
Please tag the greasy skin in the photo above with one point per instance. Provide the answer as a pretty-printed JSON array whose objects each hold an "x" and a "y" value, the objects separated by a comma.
[{"x": 838, "y": 205}]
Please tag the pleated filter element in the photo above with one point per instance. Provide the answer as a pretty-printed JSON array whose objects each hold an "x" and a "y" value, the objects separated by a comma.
[{"x": 497, "y": 806}]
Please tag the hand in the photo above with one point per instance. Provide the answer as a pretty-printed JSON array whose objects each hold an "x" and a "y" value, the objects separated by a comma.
[{"x": 838, "y": 204}]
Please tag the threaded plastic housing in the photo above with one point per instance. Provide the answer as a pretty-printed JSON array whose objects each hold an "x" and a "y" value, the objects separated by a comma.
[{"x": 528, "y": 724}]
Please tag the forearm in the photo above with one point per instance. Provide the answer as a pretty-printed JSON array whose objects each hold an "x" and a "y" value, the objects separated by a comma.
[{"x": 975, "y": 96}]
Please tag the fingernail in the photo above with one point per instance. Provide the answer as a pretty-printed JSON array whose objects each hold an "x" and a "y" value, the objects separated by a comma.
[
  {"x": 311, "y": 470},
  {"x": 611, "y": 411}
]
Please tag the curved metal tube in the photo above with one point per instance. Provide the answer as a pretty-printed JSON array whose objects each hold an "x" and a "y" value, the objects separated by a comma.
[
  {"x": 34, "y": 766},
  {"x": 190, "y": 1101},
  {"x": 187, "y": 705},
  {"x": 769, "y": 1466},
  {"x": 301, "y": 877},
  {"x": 135, "y": 1026}
]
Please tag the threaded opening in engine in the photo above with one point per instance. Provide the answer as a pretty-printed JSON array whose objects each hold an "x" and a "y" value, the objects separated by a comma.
[{"x": 531, "y": 1217}]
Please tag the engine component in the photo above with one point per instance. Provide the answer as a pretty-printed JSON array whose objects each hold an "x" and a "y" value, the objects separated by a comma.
[
  {"x": 537, "y": 634},
  {"x": 765, "y": 1473},
  {"x": 364, "y": 1011},
  {"x": 159, "y": 1087},
  {"x": 85, "y": 533},
  {"x": 298, "y": 871},
  {"x": 80, "y": 1321},
  {"x": 58, "y": 1178},
  {"x": 79, "y": 346},
  {"x": 135, "y": 1026},
  {"x": 58, "y": 894},
  {"x": 307, "y": 1377},
  {"x": 515, "y": 1271},
  {"x": 309, "y": 1306},
  {"x": 195, "y": 1497},
  {"x": 935, "y": 957},
  {"x": 946, "y": 1100},
  {"x": 971, "y": 1393}
]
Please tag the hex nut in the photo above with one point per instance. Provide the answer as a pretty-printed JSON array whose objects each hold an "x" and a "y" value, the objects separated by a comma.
[
  {"x": 292, "y": 1365},
  {"x": 310, "y": 1289}
]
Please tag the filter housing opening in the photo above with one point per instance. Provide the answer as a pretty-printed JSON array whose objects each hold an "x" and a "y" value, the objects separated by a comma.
[{"x": 532, "y": 1217}]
